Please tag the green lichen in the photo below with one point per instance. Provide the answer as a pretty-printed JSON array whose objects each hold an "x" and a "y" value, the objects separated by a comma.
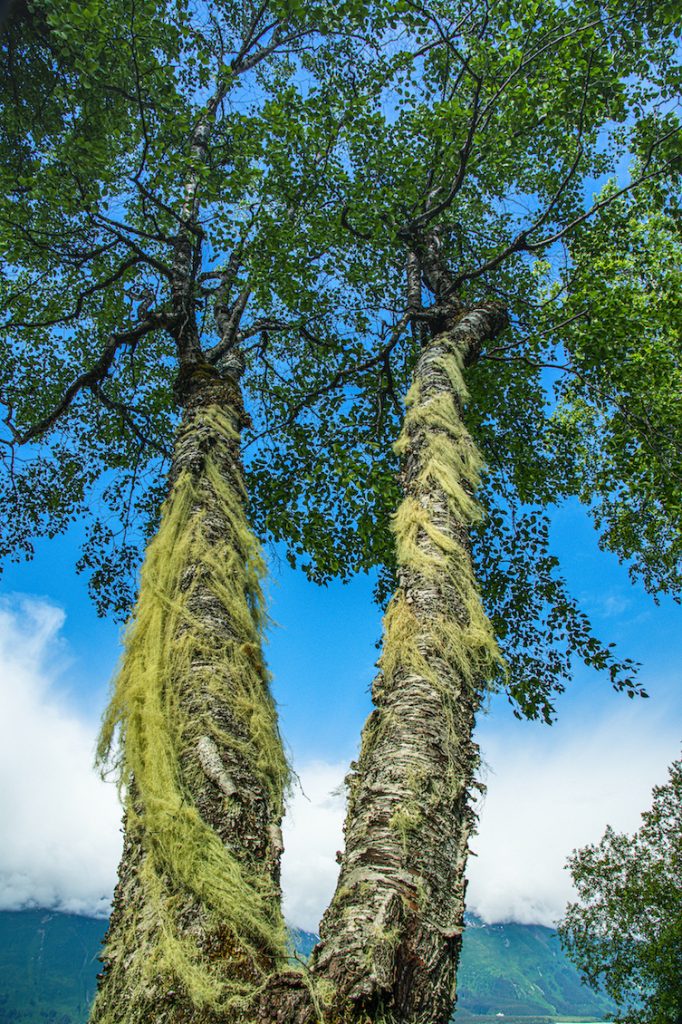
[
  {"x": 175, "y": 668},
  {"x": 456, "y": 649},
  {"x": 448, "y": 459},
  {"x": 406, "y": 820}
]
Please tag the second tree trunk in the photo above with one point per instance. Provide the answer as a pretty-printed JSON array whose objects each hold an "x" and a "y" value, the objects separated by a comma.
[
  {"x": 196, "y": 925},
  {"x": 391, "y": 936}
]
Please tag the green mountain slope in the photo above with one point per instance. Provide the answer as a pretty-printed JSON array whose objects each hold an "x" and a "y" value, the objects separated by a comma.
[
  {"x": 48, "y": 966},
  {"x": 48, "y": 971},
  {"x": 521, "y": 970}
]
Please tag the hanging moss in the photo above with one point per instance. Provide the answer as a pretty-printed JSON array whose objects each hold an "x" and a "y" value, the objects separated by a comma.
[
  {"x": 449, "y": 459},
  {"x": 177, "y": 668},
  {"x": 456, "y": 648}
]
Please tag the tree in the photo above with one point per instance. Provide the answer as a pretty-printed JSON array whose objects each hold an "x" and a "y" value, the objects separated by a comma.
[
  {"x": 442, "y": 256},
  {"x": 278, "y": 260},
  {"x": 106, "y": 292},
  {"x": 625, "y": 930}
]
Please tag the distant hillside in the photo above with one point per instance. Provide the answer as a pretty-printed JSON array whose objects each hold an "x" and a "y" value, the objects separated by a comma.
[
  {"x": 48, "y": 969},
  {"x": 48, "y": 966},
  {"x": 521, "y": 970}
]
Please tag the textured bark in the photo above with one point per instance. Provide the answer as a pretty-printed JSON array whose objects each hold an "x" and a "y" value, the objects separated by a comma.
[
  {"x": 392, "y": 934},
  {"x": 172, "y": 954}
]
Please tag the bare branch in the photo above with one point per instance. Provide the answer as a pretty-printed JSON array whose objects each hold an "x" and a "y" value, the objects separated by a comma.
[
  {"x": 228, "y": 319},
  {"x": 465, "y": 152},
  {"x": 265, "y": 51},
  {"x": 106, "y": 222},
  {"x": 89, "y": 379},
  {"x": 144, "y": 256}
]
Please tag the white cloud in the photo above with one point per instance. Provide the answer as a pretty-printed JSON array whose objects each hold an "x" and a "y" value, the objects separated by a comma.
[
  {"x": 60, "y": 838},
  {"x": 553, "y": 790},
  {"x": 549, "y": 790},
  {"x": 313, "y": 832}
]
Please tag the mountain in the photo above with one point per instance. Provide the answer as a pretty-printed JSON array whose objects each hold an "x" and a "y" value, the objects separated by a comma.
[
  {"x": 49, "y": 965},
  {"x": 520, "y": 970},
  {"x": 303, "y": 942}
]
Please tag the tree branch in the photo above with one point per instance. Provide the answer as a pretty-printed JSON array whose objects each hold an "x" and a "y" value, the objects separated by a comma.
[
  {"x": 341, "y": 376},
  {"x": 80, "y": 301},
  {"x": 90, "y": 379},
  {"x": 534, "y": 246},
  {"x": 126, "y": 415}
]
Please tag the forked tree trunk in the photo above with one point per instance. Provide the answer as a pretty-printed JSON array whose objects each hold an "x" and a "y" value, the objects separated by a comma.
[
  {"x": 392, "y": 934},
  {"x": 196, "y": 934},
  {"x": 196, "y": 925}
]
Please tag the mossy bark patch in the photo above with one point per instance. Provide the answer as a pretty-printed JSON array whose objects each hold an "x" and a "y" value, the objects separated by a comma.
[
  {"x": 196, "y": 929},
  {"x": 391, "y": 936}
]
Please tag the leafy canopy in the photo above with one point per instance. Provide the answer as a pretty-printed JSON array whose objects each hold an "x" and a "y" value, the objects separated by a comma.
[
  {"x": 528, "y": 155},
  {"x": 321, "y": 186},
  {"x": 625, "y": 930}
]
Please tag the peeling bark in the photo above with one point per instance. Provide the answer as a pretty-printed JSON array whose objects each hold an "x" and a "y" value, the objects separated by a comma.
[
  {"x": 392, "y": 934},
  {"x": 196, "y": 925}
]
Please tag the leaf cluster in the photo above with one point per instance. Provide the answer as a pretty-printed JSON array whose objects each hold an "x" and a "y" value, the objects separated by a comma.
[{"x": 625, "y": 929}]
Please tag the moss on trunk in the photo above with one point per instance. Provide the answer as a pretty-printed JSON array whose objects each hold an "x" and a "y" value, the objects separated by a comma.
[{"x": 196, "y": 928}]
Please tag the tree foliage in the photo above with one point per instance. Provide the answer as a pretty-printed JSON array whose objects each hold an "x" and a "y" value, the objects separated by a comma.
[
  {"x": 490, "y": 139},
  {"x": 177, "y": 170},
  {"x": 625, "y": 930}
]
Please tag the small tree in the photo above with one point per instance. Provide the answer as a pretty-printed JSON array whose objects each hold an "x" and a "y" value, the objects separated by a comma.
[{"x": 625, "y": 930}]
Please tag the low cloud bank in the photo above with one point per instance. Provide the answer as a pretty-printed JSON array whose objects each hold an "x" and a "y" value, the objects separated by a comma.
[
  {"x": 549, "y": 790},
  {"x": 60, "y": 824},
  {"x": 313, "y": 832}
]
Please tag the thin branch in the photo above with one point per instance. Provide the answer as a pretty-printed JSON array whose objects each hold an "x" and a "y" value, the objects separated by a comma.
[
  {"x": 152, "y": 261},
  {"x": 138, "y": 92},
  {"x": 521, "y": 67},
  {"x": 126, "y": 415},
  {"x": 341, "y": 376},
  {"x": 88, "y": 379},
  {"x": 534, "y": 246},
  {"x": 250, "y": 34},
  {"x": 494, "y": 353},
  {"x": 521, "y": 243},
  {"x": 110, "y": 221},
  {"x": 228, "y": 319},
  {"x": 80, "y": 301},
  {"x": 148, "y": 194},
  {"x": 345, "y": 223},
  {"x": 265, "y": 51}
]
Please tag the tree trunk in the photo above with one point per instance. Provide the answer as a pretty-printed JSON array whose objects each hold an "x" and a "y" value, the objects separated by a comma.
[
  {"x": 392, "y": 934},
  {"x": 196, "y": 926}
]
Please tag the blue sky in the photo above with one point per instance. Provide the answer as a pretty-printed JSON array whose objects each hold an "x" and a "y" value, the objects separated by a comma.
[{"x": 549, "y": 789}]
